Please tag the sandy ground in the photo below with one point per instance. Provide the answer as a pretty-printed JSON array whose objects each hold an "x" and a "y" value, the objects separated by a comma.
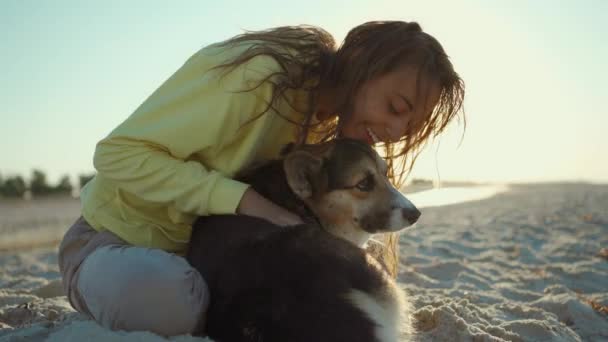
[{"x": 529, "y": 264}]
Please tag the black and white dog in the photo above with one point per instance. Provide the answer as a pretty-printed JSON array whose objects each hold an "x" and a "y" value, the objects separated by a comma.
[{"x": 314, "y": 281}]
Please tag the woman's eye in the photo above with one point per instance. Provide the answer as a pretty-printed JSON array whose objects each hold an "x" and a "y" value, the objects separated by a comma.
[
  {"x": 392, "y": 109},
  {"x": 366, "y": 185}
]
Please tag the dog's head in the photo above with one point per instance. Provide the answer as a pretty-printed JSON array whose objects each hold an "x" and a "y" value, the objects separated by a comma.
[{"x": 344, "y": 183}]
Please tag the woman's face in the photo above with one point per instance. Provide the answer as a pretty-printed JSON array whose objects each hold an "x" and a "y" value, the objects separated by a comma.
[{"x": 388, "y": 107}]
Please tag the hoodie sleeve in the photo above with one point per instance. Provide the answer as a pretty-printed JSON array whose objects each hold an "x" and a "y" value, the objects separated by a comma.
[{"x": 194, "y": 110}]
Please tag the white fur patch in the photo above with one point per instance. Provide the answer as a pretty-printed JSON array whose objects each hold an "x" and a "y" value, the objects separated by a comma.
[
  {"x": 397, "y": 221},
  {"x": 386, "y": 315}
]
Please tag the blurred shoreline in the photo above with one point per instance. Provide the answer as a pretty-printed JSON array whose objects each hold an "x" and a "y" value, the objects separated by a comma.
[
  {"x": 42, "y": 221},
  {"x": 37, "y": 222}
]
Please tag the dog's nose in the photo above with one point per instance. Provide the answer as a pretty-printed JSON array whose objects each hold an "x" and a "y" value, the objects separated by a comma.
[{"x": 410, "y": 214}]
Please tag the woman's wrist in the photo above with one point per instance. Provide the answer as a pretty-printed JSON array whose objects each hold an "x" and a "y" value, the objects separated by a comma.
[
  {"x": 254, "y": 204},
  {"x": 248, "y": 202}
]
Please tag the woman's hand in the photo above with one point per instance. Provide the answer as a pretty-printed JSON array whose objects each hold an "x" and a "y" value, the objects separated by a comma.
[{"x": 254, "y": 204}]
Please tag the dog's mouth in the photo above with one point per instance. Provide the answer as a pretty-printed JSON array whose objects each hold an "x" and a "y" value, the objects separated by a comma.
[{"x": 398, "y": 215}]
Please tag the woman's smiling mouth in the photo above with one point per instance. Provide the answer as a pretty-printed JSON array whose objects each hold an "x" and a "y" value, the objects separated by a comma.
[{"x": 372, "y": 135}]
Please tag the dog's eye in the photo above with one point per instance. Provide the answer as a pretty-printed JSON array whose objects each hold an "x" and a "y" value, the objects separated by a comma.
[{"x": 366, "y": 184}]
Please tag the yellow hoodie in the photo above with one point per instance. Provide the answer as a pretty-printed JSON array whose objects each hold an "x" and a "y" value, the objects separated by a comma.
[{"x": 173, "y": 158}]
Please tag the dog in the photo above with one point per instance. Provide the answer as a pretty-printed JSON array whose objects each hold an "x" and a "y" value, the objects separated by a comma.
[{"x": 313, "y": 281}]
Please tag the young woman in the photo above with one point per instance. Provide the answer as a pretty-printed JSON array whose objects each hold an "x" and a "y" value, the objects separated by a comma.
[{"x": 231, "y": 105}]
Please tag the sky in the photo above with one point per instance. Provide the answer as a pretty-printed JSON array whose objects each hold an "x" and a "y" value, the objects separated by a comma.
[{"x": 535, "y": 74}]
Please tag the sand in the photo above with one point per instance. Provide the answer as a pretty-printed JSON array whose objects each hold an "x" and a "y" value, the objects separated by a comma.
[{"x": 528, "y": 264}]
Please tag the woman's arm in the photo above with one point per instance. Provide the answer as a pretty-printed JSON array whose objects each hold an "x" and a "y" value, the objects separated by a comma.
[{"x": 148, "y": 155}]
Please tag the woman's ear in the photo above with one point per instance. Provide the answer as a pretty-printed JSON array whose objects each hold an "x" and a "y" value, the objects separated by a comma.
[{"x": 301, "y": 169}]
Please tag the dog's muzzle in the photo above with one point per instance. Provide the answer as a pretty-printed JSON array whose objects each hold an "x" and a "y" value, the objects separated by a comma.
[{"x": 405, "y": 212}]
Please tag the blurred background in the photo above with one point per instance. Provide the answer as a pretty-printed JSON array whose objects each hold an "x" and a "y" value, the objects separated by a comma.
[{"x": 535, "y": 75}]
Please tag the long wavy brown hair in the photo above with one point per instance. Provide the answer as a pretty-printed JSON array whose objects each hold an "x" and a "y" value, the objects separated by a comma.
[{"x": 310, "y": 60}]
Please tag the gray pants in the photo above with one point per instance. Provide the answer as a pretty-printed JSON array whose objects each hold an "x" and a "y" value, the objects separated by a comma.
[{"x": 124, "y": 287}]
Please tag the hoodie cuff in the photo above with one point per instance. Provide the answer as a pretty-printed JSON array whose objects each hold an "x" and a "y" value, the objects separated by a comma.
[{"x": 226, "y": 196}]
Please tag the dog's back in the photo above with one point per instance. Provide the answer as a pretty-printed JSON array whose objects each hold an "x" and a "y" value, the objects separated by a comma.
[{"x": 269, "y": 283}]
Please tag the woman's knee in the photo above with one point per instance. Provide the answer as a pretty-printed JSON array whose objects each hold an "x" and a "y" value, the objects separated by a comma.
[{"x": 132, "y": 288}]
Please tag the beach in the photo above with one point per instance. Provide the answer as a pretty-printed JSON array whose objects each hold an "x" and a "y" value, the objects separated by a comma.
[
  {"x": 525, "y": 265},
  {"x": 524, "y": 262}
]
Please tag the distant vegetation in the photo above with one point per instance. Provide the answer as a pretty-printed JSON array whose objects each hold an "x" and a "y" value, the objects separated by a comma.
[
  {"x": 16, "y": 186},
  {"x": 421, "y": 181}
]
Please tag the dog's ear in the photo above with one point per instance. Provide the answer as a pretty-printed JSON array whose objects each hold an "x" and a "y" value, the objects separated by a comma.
[{"x": 301, "y": 168}]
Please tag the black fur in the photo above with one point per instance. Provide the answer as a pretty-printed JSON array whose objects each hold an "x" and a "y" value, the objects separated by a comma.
[{"x": 277, "y": 284}]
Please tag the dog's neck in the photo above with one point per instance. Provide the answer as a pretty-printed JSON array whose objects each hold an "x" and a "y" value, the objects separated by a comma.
[
  {"x": 270, "y": 181},
  {"x": 356, "y": 236}
]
